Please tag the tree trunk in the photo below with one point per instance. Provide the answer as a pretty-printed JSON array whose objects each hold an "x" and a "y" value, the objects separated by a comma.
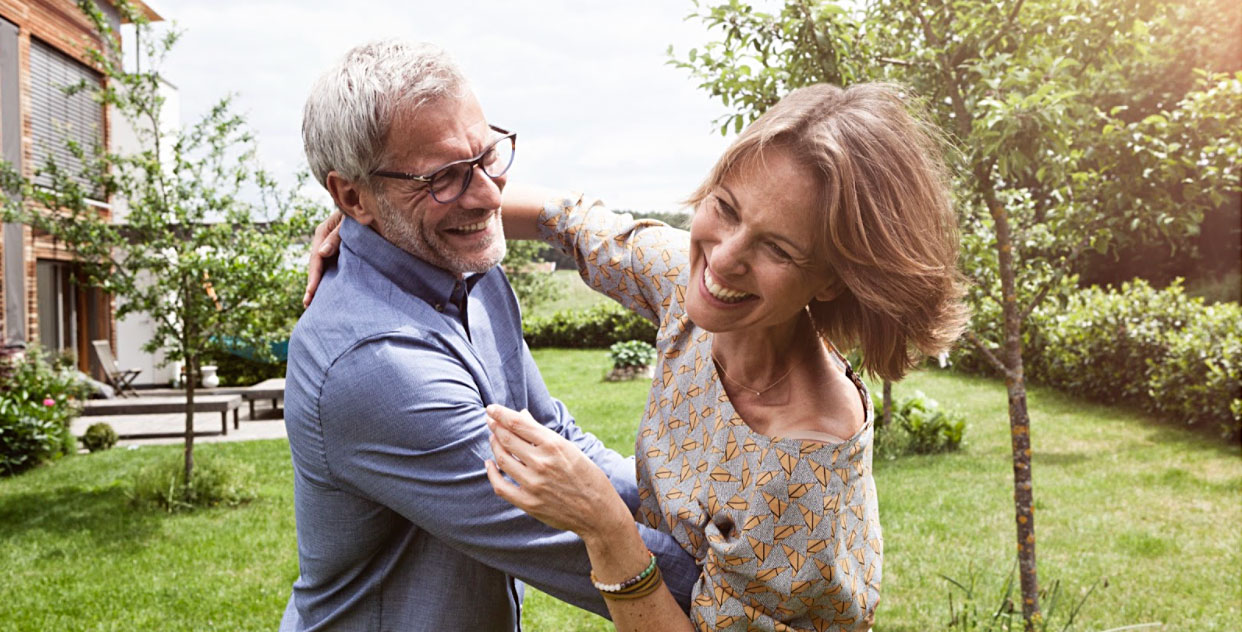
[
  {"x": 191, "y": 370},
  {"x": 1019, "y": 420},
  {"x": 1023, "y": 496},
  {"x": 888, "y": 404}
]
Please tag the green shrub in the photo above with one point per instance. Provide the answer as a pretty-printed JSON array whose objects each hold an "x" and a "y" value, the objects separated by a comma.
[
  {"x": 531, "y": 285},
  {"x": 216, "y": 482},
  {"x": 1099, "y": 344},
  {"x": 99, "y": 436},
  {"x": 39, "y": 398},
  {"x": 918, "y": 426},
  {"x": 631, "y": 353},
  {"x": 26, "y": 437},
  {"x": 1198, "y": 378},
  {"x": 68, "y": 441},
  {"x": 598, "y": 327},
  {"x": 1162, "y": 350}
]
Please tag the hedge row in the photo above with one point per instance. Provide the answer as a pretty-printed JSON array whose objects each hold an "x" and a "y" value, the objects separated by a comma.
[
  {"x": 235, "y": 370},
  {"x": 1166, "y": 351},
  {"x": 598, "y": 327}
]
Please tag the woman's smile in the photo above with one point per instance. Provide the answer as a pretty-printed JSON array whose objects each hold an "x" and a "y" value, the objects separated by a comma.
[
  {"x": 752, "y": 248},
  {"x": 720, "y": 292}
]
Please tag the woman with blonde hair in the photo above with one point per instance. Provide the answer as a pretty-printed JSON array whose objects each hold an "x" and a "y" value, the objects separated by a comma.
[{"x": 826, "y": 225}]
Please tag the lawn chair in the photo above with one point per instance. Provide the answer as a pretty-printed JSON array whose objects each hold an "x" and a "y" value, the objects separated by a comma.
[{"x": 119, "y": 378}]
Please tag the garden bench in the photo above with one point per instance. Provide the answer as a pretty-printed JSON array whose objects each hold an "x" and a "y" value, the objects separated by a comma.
[
  {"x": 222, "y": 404},
  {"x": 273, "y": 389}
]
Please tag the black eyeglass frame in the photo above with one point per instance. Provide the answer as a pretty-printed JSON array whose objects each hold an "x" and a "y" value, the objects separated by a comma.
[{"x": 476, "y": 161}]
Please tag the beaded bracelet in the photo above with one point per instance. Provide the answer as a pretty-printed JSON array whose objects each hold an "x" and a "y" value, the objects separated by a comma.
[
  {"x": 641, "y": 589},
  {"x": 614, "y": 588}
]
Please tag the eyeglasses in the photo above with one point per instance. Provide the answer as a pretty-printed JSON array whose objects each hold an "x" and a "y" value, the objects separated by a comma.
[{"x": 450, "y": 181}]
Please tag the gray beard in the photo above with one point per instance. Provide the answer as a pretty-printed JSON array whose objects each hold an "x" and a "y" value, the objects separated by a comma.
[{"x": 412, "y": 238}]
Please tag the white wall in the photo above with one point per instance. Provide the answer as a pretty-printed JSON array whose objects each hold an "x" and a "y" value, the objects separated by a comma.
[{"x": 136, "y": 329}]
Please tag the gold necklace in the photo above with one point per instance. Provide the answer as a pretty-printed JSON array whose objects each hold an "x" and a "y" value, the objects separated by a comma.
[{"x": 759, "y": 391}]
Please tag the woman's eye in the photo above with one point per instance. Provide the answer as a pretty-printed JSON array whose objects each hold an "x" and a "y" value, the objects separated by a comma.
[
  {"x": 724, "y": 210},
  {"x": 779, "y": 252}
]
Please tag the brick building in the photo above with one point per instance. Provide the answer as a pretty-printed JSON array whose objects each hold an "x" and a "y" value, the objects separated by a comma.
[{"x": 41, "y": 44}]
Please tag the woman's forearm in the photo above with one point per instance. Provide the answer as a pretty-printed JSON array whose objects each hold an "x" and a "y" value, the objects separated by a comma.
[
  {"x": 520, "y": 206},
  {"x": 618, "y": 555}
]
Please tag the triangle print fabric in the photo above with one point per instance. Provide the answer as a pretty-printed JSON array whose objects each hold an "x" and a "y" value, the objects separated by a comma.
[{"x": 787, "y": 530}]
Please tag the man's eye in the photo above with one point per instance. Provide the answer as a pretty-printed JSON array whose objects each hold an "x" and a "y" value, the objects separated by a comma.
[{"x": 447, "y": 178}]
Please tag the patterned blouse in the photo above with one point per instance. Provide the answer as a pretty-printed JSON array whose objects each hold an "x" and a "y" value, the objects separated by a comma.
[{"x": 786, "y": 529}]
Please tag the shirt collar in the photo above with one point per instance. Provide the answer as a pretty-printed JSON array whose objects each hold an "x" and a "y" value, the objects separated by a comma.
[{"x": 430, "y": 283}]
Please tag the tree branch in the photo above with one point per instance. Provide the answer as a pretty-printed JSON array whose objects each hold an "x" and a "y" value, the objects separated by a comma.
[
  {"x": 960, "y": 114},
  {"x": 894, "y": 62},
  {"x": 1002, "y": 31},
  {"x": 987, "y": 353},
  {"x": 1065, "y": 269},
  {"x": 991, "y": 297},
  {"x": 822, "y": 56}
]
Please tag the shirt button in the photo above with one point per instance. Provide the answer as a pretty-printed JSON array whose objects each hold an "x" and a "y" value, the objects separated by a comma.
[{"x": 439, "y": 307}]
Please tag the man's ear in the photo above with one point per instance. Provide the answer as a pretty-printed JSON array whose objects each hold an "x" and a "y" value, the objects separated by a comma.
[{"x": 348, "y": 196}]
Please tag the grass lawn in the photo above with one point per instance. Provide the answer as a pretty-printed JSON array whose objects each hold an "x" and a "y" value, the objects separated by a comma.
[
  {"x": 574, "y": 295},
  {"x": 75, "y": 556},
  {"x": 1153, "y": 509}
]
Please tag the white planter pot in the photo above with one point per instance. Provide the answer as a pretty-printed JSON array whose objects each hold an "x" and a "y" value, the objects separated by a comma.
[{"x": 209, "y": 379}]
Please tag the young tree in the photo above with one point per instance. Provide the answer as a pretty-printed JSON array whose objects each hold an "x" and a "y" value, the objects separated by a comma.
[
  {"x": 208, "y": 248},
  {"x": 1054, "y": 159},
  {"x": 531, "y": 285}
]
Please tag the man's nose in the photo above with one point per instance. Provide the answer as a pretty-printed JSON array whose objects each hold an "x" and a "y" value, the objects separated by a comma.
[{"x": 483, "y": 192}]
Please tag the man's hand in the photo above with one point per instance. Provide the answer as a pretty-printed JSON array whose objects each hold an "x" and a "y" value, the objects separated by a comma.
[{"x": 323, "y": 246}]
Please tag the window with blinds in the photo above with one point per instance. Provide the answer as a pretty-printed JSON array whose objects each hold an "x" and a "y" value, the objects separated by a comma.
[{"x": 58, "y": 117}]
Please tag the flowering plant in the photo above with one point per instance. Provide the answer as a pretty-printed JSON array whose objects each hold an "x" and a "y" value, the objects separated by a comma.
[{"x": 39, "y": 397}]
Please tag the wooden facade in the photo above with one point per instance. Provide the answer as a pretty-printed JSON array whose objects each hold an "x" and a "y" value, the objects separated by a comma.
[{"x": 37, "y": 273}]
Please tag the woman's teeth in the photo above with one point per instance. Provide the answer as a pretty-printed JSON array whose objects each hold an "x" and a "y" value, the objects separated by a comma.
[{"x": 720, "y": 292}]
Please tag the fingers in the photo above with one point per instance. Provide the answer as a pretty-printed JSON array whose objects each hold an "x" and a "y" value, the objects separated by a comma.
[
  {"x": 314, "y": 271},
  {"x": 522, "y": 425},
  {"x": 503, "y": 414},
  {"x": 324, "y": 245},
  {"x": 514, "y": 448},
  {"x": 502, "y": 487},
  {"x": 505, "y": 459},
  {"x": 503, "y": 462},
  {"x": 332, "y": 239}
]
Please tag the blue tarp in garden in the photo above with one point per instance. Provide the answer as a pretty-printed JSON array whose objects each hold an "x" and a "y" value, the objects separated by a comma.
[{"x": 239, "y": 348}]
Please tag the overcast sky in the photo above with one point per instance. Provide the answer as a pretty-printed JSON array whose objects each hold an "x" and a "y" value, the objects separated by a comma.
[{"x": 585, "y": 84}]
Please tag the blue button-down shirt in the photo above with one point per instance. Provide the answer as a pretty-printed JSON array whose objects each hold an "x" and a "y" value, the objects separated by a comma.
[{"x": 398, "y": 526}]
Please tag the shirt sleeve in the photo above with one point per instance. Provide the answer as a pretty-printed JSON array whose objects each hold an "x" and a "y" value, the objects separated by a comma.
[
  {"x": 635, "y": 262},
  {"x": 551, "y": 412},
  {"x": 417, "y": 446}
]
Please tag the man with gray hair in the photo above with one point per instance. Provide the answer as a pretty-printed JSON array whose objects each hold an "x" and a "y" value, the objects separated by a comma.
[{"x": 413, "y": 332}]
